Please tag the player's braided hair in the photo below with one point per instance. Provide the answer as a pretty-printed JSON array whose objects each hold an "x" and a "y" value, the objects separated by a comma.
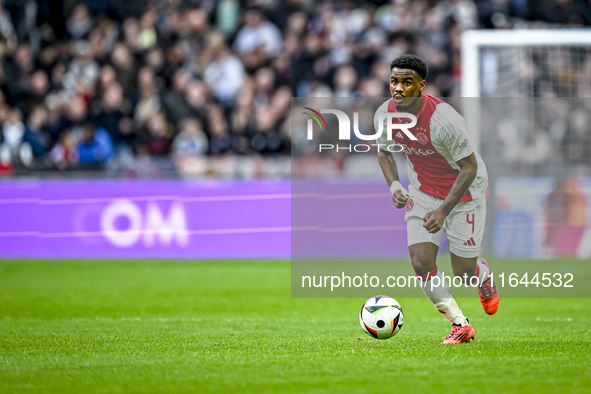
[{"x": 411, "y": 62}]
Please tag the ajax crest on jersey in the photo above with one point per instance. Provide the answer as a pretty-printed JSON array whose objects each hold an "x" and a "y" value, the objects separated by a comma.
[{"x": 381, "y": 317}]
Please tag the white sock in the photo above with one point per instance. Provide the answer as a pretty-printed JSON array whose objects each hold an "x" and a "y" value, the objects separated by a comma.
[
  {"x": 440, "y": 295},
  {"x": 482, "y": 271}
]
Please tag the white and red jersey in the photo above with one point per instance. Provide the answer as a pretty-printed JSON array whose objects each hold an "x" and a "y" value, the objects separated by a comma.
[{"x": 442, "y": 140}]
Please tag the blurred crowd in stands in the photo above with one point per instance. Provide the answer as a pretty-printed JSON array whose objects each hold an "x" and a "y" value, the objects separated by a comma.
[
  {"x": 544, "y": 136},
  {"x": 203, "y": 88}
]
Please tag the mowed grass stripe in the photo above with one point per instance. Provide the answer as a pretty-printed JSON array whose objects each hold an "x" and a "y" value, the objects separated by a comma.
[{"x": 146, "y": 326}]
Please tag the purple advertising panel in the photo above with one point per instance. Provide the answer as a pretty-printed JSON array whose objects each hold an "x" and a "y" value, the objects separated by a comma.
[
  {"x": 144, "y": 219},
  {"x": 198, "y": 219}
]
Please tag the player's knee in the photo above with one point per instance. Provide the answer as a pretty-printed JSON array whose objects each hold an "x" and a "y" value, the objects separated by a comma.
[
  {"x": 422, "y": 257},
  {"x": 422, "y": 264}
]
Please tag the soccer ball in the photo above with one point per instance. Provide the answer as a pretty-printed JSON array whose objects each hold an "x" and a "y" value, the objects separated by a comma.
[{"x": 381, "y": 317}]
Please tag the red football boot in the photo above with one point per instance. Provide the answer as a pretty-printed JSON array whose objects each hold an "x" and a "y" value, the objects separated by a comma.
[{"x": 459, "y": 334}]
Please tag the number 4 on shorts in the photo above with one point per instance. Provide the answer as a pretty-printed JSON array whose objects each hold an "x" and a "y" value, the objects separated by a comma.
[{"x": 470, "y": 221}]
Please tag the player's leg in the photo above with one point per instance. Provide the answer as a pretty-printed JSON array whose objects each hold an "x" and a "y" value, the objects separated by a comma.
[
  {"x": 465, "y": 231},
  {"x": 423, "y": 256},
  {"x": 423, "y": 248},
  {"x": 464, "y": 267}
]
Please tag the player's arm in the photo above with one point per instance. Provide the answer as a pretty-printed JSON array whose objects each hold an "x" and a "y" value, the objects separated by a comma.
[
  {"x": 433, "y": 221},
  {"x": 390, "y": 170}
]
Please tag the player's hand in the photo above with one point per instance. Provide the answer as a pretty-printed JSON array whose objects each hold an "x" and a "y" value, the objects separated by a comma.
[
  {"x": 400, "y": 199},
  {"x": 433, "y": 221}
]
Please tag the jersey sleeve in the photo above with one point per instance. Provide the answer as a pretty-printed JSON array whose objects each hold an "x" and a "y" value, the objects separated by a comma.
[{"x": 449, "y": 130}]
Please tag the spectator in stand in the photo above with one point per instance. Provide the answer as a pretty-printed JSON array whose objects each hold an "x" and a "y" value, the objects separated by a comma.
[
  {"x": 345, "y": 82},
  {"x": 95, "y": 146},
  {"x": 197, "y": 95},
  {"x": 64, "y": 154},
  {"x": 83, "y": 70},
  {"x": 113, "y": 112},
  {"x": 139, "y": 68},
  {"x": 13, "y": 131},
  {"x": 148, "y": 104},
  {"x": 191, "y": 140},
  {"x": 158, "y": 134},
  {"x": 125, "y": 68},
  {"x": 258, "y": 34},
  {"x": 173, "y": 99},
  {"x": 225, "y": 73},
  {"x": 576, "y": 143},
  {"x": 18, "y": 69},
  {"x": 7, "y": 31},
  {"x": 66, "y": 114},
  {"x": 80, "y": 22},
  {"x": 220, "y": 140},
  {"x": 35, "y": 133}
]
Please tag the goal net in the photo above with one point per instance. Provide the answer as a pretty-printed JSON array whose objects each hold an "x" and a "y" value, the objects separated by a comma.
[{"x": 527, "y": 103}]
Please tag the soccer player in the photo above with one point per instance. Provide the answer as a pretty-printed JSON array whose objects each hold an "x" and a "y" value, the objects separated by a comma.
[{"x": 446, "y": 194}]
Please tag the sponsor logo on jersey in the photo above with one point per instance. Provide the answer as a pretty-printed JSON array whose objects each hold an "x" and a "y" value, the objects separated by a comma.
[
  {"x": 410, "y": 205},
  {"x": 415, "y": 151},
  {"x": 465, "y": 142}
]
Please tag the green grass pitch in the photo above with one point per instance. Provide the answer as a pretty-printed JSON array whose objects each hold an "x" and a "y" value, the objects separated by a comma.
[{"x": 231, "y": 327}]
